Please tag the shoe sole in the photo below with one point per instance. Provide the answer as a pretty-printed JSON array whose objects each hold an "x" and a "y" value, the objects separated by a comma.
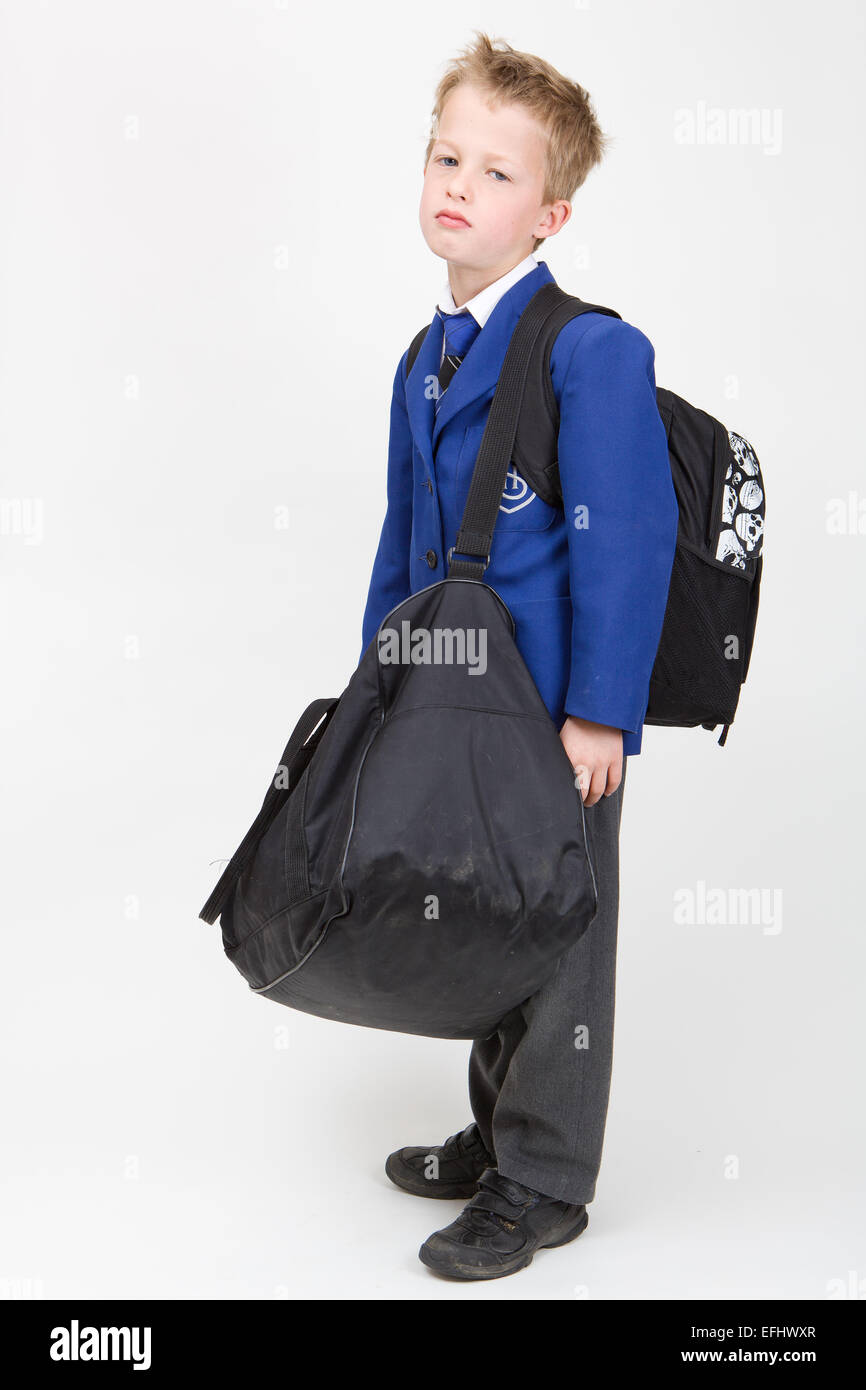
[
  {"x": 468, "y": 1273},
  {"x": 413, "y": 1184}
]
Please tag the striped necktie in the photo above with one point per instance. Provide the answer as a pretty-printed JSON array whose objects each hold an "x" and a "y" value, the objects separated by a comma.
[{"x": 460, "y": 332}]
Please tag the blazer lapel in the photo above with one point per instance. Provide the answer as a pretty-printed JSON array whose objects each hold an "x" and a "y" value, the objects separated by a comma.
[{"x": 478, "y": 372}]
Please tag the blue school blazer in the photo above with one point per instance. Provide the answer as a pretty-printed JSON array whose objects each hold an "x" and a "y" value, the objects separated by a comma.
[{"x": 586, "y": 584}]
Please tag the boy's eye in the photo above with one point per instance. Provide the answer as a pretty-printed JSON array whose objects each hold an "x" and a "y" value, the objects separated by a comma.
[{"x": 453, "y": 159}]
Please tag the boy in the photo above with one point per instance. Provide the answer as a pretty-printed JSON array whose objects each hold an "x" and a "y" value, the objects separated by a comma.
[{"x": 512, "y": 140}]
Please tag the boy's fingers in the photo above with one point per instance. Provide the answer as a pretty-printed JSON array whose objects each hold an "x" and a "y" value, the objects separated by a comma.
[
  {"x": 581, "y": 779},
  {"x": 614, "y": 777},
  {"x": 590, "y": 782},
  {"x": 596, "y": 786}
]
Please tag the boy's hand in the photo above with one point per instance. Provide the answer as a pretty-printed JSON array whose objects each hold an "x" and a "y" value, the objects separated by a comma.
[{"x": 595, "y": 753}]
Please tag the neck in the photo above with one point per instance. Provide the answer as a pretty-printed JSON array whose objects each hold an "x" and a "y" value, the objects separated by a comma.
[{"x": 467, "y": 281}]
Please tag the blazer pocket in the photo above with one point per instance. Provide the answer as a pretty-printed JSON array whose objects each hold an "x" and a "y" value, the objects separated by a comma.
[{"x": 520, "y": 509}]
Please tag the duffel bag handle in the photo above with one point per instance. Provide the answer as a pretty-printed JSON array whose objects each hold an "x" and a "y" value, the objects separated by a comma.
[{"x": 296, "y": 755}]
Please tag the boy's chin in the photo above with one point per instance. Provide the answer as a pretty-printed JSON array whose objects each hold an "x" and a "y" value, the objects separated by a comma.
[
  {"x": 450, "y": 248},
  {"x": 439, "y": 248}
]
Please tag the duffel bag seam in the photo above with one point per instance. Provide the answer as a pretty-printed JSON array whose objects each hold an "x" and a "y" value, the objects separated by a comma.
[
  {"x": 281, "y": 912},
  {"x": 469, "y": 709}
]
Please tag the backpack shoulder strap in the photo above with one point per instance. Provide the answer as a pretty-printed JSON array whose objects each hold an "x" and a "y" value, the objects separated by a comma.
[
  {"x": 415, "y": 346},
  {"x": 535, "y": 447}
]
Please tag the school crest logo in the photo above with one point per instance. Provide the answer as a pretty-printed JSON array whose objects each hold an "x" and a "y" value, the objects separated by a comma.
[{"x": 516, "y": 493}]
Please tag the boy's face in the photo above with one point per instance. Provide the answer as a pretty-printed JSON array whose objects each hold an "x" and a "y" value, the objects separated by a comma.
[{"x": 486, "y": 167}]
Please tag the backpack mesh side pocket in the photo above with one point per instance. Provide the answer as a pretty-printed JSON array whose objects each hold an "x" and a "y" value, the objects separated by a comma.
[{"x": 700, "y": 662}]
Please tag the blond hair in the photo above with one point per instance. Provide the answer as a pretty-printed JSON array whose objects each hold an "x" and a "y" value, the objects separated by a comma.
[{"x": 575, "y": 142}]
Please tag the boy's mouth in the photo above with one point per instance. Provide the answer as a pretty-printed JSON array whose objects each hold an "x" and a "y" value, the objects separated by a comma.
[{"x": 451, "y": 219}]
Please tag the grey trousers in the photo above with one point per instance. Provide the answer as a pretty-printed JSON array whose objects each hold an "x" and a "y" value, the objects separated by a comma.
[{"x": 539, "y": 1086}]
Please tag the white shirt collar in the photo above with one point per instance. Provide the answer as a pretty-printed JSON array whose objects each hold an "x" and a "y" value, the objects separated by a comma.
[{"x": 481, "y": 305}]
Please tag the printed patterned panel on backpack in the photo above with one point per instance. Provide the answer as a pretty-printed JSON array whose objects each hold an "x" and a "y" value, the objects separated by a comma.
[{"x": 742, "y": 522}]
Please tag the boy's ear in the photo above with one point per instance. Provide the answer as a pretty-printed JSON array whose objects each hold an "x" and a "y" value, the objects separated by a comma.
[{"x": 561, "y": 212}]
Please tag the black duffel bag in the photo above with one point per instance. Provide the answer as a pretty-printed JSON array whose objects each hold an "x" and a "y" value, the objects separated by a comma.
[{"x": 420, "y": 860}]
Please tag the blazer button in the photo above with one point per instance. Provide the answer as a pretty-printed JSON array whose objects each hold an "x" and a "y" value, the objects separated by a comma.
[
  {"x": 429, "y": 485},
  {"x": 432, "y": 559}
]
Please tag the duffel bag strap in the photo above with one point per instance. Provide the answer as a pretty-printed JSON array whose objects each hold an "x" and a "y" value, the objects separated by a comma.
[
  {"x": 296, "y": 755},
  {"x": 475, "y": 537}
]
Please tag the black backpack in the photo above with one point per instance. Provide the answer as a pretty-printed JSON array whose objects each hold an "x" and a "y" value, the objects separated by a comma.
[
  {"x": 709, "y": 625},
  {"x": 420, "y": 861}
]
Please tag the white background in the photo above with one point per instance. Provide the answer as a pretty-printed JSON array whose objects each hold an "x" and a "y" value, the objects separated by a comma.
[{"x": 211, "y": 264}]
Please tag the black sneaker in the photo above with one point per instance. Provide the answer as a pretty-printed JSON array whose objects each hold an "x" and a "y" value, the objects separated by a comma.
[
  {"x": 500, "y": 1229},
  {"x": 451, "y": 1169}
]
